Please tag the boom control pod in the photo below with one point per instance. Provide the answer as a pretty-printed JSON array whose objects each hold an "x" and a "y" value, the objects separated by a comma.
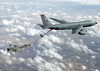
[{"x": 42, "y": 36}]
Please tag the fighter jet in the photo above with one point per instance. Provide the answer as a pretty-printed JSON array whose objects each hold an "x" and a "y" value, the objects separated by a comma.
[
  {"x": 16, "y": 48},
  {"x": 77, "y": 27}
]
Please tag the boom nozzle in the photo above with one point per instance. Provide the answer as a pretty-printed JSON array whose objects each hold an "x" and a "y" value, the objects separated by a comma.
[{"x": 41, "y": 35}]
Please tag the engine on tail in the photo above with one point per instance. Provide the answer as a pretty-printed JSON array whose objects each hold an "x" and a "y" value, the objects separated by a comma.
[{"x": 82, "y": 32}]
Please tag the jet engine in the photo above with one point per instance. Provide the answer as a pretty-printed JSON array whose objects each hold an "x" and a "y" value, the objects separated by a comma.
[{"x": 82, "y": 32}]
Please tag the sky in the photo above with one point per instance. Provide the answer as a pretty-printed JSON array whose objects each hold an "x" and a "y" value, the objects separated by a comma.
[{"x": 87, "y": 2}]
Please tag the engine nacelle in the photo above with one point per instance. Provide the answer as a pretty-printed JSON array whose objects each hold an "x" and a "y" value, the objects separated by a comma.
[{"x": 82, "y": 32}]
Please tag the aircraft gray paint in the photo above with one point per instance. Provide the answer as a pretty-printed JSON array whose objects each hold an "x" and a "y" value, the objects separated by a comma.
[
  {"x": 77, "y": 27},
  {"x": 16, "y": 48}
]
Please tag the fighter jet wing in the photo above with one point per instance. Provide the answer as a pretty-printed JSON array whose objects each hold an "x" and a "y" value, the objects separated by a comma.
[
  {"x": 60, "y": 21},
  {"x": 25, "y": 45},
  {"x": 76, "y": 30}
]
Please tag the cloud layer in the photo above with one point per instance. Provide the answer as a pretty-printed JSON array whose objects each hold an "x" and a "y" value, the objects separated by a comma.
[
  {"x": 83, "y": 2},
  {"x": 58, "y": 50}
]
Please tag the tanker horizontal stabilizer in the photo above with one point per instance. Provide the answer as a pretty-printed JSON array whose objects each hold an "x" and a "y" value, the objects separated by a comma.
[{"x": 60, "y": 21}]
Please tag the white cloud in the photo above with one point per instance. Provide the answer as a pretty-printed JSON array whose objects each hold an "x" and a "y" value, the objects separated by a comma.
[
  {"x": 8, "y": 41},
  {"x": 38, "y": 52},
  {"x": 9, "y": 9},
  {"x": 23, "y": 38},
  {"x": 92, "y": 42},
  {"x": 46, "y": 66},
  {"x": 96, "y": 70},
  {"x": 83, "y": 67},
  {"x": 62, "y": 65},
  {"x": 21, "y": 59},
  {"x": 9, "y": 61},
  {"x": 93, "y": 31},
  {"x": 78, "y": 57},
  {"x": 35, "y": 14},
  {"x": 49, "y": 39},
  {"x": 19, "y": 11},
  {"x": 38, "y": 59},
  {"x": 52, "y": 54},
  {"x": 11, "y": 21},
  {"x": 54, "y": 14},
  {"x": 15, "y": 15},
  {"x": 11, "y": 35},
  {"x": 5, "y": 52},
  {"x": 70, "y": 65},
  {"x": 98, "y": 49},
  {"x": 27, "y": 24},
  {"x": 86, "y": 2},
  {"x": 97, "y": 17},
  {"x": 14, "y": 58},
  {"x": 55, "y": 39},
  {"x": 64, "y": 13},
  {"x": 54, "y": 31},
  {"x": 79, "y": 47},
  {"x": 13, "y": 30},
  {"x": 28, "y": 64},
  {"x": 5, "y": 22},
  {"x": 33, "y": 32},
  {"x": 7, "y": 30},
  {"x": 90, "y": 16},
  {"x": 21, "y": 28},
  {"x": 17, "y": 21},
  {"x": 31, "y": 61},
  {"x": 98, "y": 13},
  {"x": 50, "y": 8},
  {"x": 45, "y": 41},
  {"x": 16, "y": 34},
  {"x": 79, "y": 17},
  {"x": 2, "y": 45},
  {"x": 65, "y": 34},
  {"x": 85, "y": 17},
  {"x": 93, "y": 57}
]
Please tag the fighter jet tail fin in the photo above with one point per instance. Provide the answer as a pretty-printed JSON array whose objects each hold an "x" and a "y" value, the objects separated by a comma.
[{"x": 46, "y": 22}]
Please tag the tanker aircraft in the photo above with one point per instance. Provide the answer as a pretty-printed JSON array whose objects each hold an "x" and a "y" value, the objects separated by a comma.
[{"x": 77, "y": 27}]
